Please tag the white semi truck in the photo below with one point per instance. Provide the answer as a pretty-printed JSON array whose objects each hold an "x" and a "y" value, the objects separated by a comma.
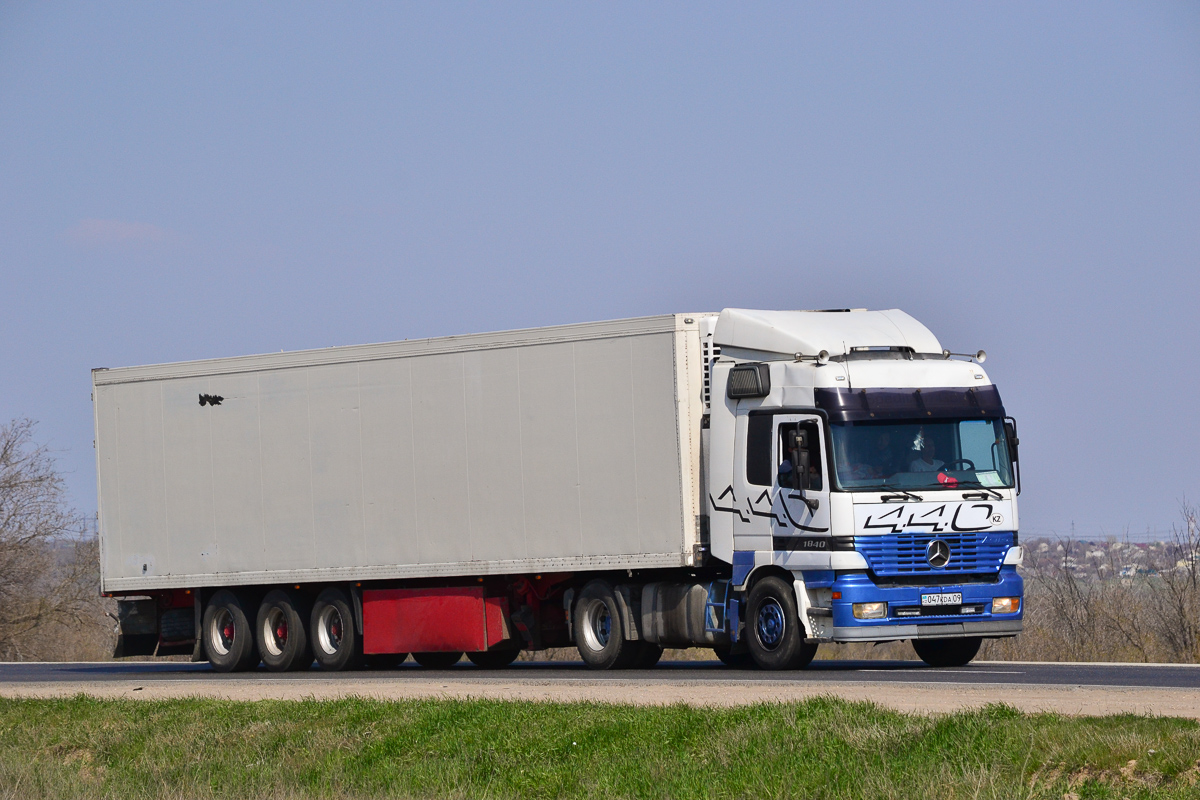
[{"x": 757, "y": 482}]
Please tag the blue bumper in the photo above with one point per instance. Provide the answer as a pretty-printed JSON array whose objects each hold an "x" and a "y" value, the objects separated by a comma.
[{"x": 906, "y": 620}]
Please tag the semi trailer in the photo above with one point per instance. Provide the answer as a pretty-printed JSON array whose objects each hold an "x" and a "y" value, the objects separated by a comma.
[{"x": 755, "y": 482}]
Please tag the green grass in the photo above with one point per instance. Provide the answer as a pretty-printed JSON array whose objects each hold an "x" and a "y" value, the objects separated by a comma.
[{"x": 821, "y": 748}]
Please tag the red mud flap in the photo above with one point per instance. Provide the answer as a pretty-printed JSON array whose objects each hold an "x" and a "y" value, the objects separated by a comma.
[{"x": 432, "y": 620}]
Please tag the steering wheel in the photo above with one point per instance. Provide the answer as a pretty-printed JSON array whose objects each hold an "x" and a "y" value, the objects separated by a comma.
[{"x": 950, "y": 464}]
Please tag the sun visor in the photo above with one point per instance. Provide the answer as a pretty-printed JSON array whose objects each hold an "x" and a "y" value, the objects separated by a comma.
[
  {"x": 810, "y": 332},
  {"x": 877, "y": 405}
]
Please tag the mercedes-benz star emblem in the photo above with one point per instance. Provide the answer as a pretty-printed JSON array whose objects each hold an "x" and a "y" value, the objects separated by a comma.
[{"x": 937, "y": 553}]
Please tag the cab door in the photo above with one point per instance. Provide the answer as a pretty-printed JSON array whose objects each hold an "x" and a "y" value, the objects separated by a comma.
[
  {"x": 801, "y": 491},
  {"x": 780, "y": 489}
]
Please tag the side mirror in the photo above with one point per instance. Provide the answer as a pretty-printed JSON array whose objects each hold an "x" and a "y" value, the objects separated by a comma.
[{"x": 1010, "y": 433}]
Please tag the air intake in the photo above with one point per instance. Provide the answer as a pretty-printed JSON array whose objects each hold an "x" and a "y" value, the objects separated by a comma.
[{"x": 710, "y": 352}]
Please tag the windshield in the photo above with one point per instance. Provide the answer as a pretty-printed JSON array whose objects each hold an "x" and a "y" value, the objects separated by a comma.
[{"x": 932, "y": 454}]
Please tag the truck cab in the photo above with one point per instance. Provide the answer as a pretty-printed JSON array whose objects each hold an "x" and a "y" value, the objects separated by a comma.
[{"x": 862, "y": 482}]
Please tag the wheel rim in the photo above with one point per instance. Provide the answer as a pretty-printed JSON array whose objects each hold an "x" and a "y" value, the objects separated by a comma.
[
  {"x": 222, "y": 631},
  {"x": 330, "y": 630},
  {"x": 770, "y": 624},
  {"x": 275, "y": 631},
  {"x": 597, "y": 629}
]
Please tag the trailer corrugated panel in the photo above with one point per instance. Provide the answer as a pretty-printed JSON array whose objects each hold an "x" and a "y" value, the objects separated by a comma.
[{"x": 566, "y": 448}]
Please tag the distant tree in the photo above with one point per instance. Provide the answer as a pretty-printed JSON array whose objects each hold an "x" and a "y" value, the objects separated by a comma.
[
  {"x": 48, "y": 563},
  {"x": 1175, "y": 594}
]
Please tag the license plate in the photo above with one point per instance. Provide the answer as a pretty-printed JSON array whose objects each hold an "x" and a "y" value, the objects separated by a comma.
[{"x": 942, "y": 599}]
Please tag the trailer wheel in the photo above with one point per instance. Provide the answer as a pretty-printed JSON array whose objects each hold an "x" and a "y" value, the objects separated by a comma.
[
  {"x": 336, "y": 640},
  {"x": 494, "y": 659},
  {"x": 281, "y": 635},
  {"x": 228, "y": 636},
  {"x": 437, "y": 660},
  {"x": 599, "y": 631},
  {"x": 773, "y": 630},
  {"x": 947, "y": 652}
]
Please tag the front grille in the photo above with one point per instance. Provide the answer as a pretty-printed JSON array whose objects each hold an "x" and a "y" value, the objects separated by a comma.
[
  {"x": 897, "y": 554},
  {"x": 939, "y": 611}
]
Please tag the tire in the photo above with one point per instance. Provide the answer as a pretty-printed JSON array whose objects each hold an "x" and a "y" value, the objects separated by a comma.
[
  {"x": 773, "y": 630},
  {"x": 742, "y": 660},
  {"x": 336, "y": 640},
  {"x": 281, "y": 632},
  {"x": 947, "y": 652},
  {"x": 648, "y": 655},
  {"x": 437, "y": 660},
  {"x": 228, "y": 634},
  {"x": 384, "y": 660},
  {"x": 494, "y": 659},
  {"x": 599, "y": 631}
]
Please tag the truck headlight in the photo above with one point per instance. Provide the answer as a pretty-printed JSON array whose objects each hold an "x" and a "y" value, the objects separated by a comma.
[
  {"x": 870, "y": 610},
  {"x": 1006, "y": 605}
]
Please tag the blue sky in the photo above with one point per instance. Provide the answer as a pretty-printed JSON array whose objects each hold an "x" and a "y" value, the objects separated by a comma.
[{"x": 184, "y": 181}]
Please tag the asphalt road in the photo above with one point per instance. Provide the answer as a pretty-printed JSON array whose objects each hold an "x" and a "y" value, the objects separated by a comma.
[{"x": 984, "y": 673}]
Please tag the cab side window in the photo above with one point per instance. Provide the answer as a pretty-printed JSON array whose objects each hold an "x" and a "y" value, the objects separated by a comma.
[
  {"x": 799, "y": 463},
  {"x": 758, "y": 449}
]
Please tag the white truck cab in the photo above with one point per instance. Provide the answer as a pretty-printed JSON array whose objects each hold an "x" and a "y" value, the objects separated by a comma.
[{"x": 853, "y": 460}]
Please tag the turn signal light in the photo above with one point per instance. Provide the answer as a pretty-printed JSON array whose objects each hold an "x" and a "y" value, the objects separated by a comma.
[
  {"x": 870, "y": 610},
  {"x": 1006, "y": 605}
]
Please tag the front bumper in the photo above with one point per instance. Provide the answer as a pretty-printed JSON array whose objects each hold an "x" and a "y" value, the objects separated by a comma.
[
  {"x": 859, "y": 588},
  {"x": 989, "y": 629}
]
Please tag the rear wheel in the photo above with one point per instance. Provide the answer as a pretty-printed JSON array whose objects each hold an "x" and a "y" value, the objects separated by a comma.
[
  {"x": 282, "y": 639},
  {"x": 774, "y": 633},
  {"x": 599, "y": 631},
  {"x": 228, "y": 635},
  {"x": 494, "y": 659},
  {"x": 947, "y": 652},
  {"x": 437, "y": 660},
  {"x": 336, "y": 641}
]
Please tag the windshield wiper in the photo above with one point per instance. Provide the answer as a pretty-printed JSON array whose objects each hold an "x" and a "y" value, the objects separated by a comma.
[
  {"x": 900, "y": 494},
  {"x": 988, "y": 492}
]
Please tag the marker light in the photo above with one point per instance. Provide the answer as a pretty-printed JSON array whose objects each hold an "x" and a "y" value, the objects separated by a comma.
[
  {"x": 1006, "y": 605},
  {"x": 870, "y": 610}
]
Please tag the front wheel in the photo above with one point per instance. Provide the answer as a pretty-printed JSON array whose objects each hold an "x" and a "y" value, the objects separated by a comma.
[
  {"x": 774, "y": 633},
  {"x": 947, "y": 652}
]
